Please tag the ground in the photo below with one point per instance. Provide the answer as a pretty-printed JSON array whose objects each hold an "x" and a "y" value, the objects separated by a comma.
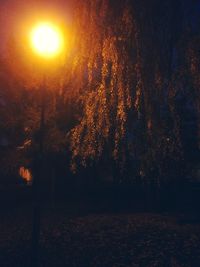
[{"x": 100, "y": 240}]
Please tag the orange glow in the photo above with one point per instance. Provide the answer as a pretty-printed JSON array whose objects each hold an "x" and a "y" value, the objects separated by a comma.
[
  {"x": 47, "y": 40},
  {"x": 26, "y": 175}
]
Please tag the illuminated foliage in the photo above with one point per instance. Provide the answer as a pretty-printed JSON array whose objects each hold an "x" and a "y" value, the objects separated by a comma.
[
  {"x": 107, "y": 87},
  {"x": 126, "y": 85}
]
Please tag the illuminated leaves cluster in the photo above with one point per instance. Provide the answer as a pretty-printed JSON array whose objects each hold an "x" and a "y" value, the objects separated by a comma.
[
  {"x": 108, "y": 92},
  {"x": 127, "y": 84}
]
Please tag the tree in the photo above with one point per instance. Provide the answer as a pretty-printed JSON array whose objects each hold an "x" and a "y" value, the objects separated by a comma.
[{"x": 130, "y": 67}]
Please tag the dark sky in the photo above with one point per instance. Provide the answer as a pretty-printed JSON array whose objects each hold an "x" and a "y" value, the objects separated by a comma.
[{"x": 15, "y": 13}]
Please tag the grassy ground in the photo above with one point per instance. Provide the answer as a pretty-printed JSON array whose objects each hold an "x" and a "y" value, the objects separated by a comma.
[{"x": 100, "y": 240}]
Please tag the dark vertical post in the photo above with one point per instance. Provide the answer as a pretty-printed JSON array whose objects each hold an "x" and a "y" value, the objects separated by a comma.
[{"x": 37, "y": 182}]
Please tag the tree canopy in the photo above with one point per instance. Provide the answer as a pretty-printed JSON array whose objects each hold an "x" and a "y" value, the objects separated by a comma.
[{"x": 126, "y": 93}]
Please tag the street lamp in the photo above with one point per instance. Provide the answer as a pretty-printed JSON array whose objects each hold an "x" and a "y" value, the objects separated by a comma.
[{"x": 47, "y": 42}]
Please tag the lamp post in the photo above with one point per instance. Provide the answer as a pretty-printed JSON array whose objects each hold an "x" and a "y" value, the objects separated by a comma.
[
  {"x": 37, "y": 180},
  {"x": 47, "y": 42}
]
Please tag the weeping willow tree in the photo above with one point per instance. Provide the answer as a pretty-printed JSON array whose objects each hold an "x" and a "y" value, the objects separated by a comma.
[
  {"x": 108, "y": 62},
  {"x": 129, "y": 69}
]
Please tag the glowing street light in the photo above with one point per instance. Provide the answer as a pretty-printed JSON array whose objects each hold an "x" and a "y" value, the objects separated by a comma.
[{"x": 47, "y": 40}]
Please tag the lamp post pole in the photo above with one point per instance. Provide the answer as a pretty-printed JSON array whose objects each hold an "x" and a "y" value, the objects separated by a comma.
[
  {"x": 37, "y": 181},
  {"x": 47, "y": 41}
]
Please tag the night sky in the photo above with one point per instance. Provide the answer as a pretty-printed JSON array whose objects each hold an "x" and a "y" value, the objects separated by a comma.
[{"x": 15, "y": 12}]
